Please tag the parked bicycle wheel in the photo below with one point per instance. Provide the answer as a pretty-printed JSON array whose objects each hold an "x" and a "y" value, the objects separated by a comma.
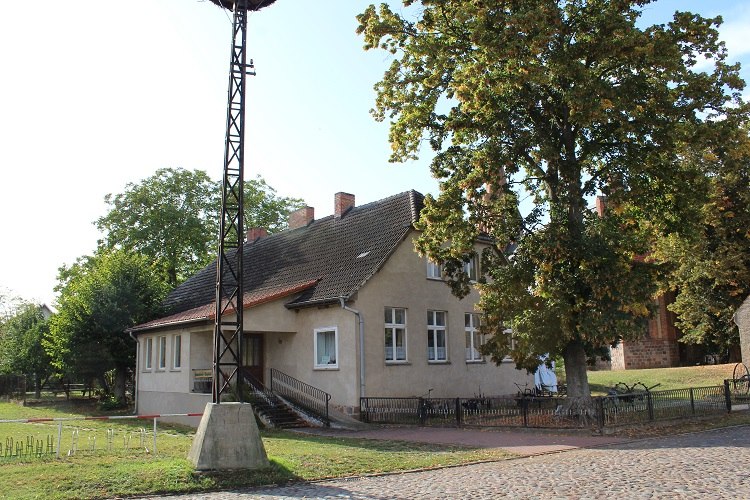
[{"x": 740, "y": 379}]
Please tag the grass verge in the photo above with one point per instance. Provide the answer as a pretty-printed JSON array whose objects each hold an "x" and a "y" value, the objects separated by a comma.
[
  {"x": 131, "y": 470},
  {"x": 668, "y": 378}
]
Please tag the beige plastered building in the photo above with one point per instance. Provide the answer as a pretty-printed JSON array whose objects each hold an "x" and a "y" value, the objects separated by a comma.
[{"x": 343, "y": 303}]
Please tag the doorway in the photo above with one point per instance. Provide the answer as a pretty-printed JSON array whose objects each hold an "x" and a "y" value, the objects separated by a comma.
[{"x": 252, "y": 355}]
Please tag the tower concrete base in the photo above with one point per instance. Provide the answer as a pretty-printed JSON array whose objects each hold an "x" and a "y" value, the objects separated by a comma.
[{"x": 228, "y": 438}]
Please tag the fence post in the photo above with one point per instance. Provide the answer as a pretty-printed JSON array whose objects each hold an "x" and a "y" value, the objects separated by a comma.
[
  {"x": 525, "y": 407},
  {"x": 458, "y": 412},
  {"x": 154, "y": 436},
  {"x": 59, "y": 438},
  {"x": 650, "y": 405},
  {"x": 421, "y": 412},
  {"x": 600, "y": 412},
  {"x": 692, "y": 401},
  {"x": 727, "y": 396}
]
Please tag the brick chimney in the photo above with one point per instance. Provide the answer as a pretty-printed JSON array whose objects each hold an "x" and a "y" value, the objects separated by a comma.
[
  {"x": 256, "y": 233},
  {"x": 601, "y": 205},
  {"x": 301, "y": 217},
  {"x": 342, "y": 202}
]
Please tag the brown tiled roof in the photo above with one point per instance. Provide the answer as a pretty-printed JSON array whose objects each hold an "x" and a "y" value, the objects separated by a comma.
[
  {"x": 207, "y": 312},
  {"x": 338, "y": 255}
]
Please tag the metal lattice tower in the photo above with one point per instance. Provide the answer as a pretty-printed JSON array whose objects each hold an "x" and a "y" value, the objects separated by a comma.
[{"x": 228, "y": 322}]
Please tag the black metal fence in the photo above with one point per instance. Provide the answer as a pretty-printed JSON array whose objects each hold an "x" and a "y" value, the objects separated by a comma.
[
  {"x": 556, "y": 412},
  {"x": 638, "y": 408}
]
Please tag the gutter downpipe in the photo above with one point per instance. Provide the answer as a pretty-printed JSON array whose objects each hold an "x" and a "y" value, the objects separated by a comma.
[
  {"x": 361, "y": 323},
  {"x": 135, "y": 379}
]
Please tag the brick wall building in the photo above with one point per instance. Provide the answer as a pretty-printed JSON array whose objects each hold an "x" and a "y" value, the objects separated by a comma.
[{"x": 658, "y": 348}]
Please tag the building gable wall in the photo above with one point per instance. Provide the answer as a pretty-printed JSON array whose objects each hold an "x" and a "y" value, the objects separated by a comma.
[{"x": 742, "y": 319}]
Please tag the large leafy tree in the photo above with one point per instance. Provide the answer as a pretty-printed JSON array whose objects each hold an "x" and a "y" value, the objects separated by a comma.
[
  {"x": 710, "y": 264},
  {"x": 172, "y": 217},
  {"x": 21, "y": 350},
  {"x": 9, "y": 304},
  {"x": 551, "y": 102},
  {"x": 100, "y": 297}
]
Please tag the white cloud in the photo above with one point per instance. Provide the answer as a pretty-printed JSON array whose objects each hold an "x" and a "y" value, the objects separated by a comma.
[{"x": 735, "y": 32}]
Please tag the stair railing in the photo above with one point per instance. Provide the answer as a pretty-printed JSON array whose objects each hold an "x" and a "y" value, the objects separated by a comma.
[{"x": 304, "y": 395}]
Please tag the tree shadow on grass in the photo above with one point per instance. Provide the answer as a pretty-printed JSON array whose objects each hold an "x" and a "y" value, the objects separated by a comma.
[{"x": 379, "y": 445}]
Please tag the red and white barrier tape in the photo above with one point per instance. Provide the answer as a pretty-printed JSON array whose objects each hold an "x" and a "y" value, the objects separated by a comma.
[{"x": 113, "y": 417}]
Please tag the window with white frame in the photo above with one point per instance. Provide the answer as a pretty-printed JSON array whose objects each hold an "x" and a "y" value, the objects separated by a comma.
[
  {"x": 471, "y": 268},
  {"x": 434, "y": 270},
  {"x": 326, "y": 348},
  {"x": 162, "y": 352},
  {"x": 395, "y": 334},
  {"x": 474, "y": 338},
  {"x": 148, "y": 354},
  {"x": 177, "y": 352},
  {"x": 436, "y": 336}
]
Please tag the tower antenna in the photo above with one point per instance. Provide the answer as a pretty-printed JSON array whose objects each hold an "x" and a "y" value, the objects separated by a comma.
[{"x": 228, "y": 319}]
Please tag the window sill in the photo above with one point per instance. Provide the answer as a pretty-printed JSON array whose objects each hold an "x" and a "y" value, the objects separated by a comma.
[
  {"x": 396, "y": 363},
  {"x": 476, "y": 362},
  {"x": 175, "y": 370},
  {"x": 435, "y": 279},
  {"x": 438, "y": 362},
  {"x": 326, "y": 368}
]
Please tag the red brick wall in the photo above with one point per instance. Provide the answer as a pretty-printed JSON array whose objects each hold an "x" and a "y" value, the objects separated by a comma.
[{"x": 645, "y": 353}]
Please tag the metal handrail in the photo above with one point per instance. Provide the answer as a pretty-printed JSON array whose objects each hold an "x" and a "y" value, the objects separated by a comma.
[{"x": 302, "y": 394}]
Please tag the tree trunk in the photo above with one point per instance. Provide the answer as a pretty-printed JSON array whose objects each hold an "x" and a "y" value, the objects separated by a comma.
[
  {"x": 576, "y": 378},
  {"x": 37, "y": 386},
  {"x": 120, "y": 379}
]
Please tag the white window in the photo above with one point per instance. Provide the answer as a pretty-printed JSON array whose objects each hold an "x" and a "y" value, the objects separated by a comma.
[
  {"x": 177, "y": 352},
  {"x": 436, "y": 333},
  {"x": 326, "y": 348},
  {"x": 395, "y": 334},
  {"x": 162, "y": 353},
  {"x": 474, "y": 339},
  {"x": 434, "y": 271},
  {"x": 148, "y": 354},
  {"x": 471, "y": 268}
]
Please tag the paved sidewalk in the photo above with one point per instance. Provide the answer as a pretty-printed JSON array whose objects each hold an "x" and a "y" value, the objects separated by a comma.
[
  {"x": 711, "y": 464},
  {"x": 521, "y": 442}
]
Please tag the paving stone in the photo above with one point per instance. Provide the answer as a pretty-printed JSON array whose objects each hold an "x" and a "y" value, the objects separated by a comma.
[{"x": 710, "y": 464}]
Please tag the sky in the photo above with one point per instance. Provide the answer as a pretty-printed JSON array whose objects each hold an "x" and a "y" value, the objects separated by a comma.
[{"x": 94, "y": 95}]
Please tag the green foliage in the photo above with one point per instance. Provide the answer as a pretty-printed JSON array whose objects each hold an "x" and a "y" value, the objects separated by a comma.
[
  {"x": 552, "y": 103},
  {"x": 100, "y": 297},
  {"x": 173, "y": 216},
  {"x": 21, "y": 350},
  {"x": 711, "y": 263},
  {"x": 9, "y": 304}
]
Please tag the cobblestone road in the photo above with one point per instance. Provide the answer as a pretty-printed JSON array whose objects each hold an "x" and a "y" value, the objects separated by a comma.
[{"x": 711, "y": 464}]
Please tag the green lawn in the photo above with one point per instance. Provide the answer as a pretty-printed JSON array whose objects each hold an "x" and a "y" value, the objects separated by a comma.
[
  {"x": 129, "y": 469},
  {"x": 668, "y": 378}
]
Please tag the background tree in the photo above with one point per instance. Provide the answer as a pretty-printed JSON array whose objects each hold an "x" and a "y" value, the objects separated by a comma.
[
  {"x": 21, "y": 350},
  {"x": 551, "y": 102},
  {"x": 172, "y": 217},
  {"x": 9, "y": 304},
  {"x": 100, "y": 297},
  {"x": 710, "y": 265}
]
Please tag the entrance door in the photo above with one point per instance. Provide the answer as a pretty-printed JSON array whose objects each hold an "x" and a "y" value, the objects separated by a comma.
[{"x": 252, "y": 355}]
